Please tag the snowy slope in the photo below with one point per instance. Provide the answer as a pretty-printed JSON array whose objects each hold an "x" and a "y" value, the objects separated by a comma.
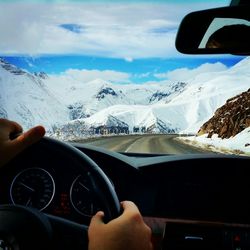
[
  {"x": 25, "y": 99},
  {"x": 133, "y": 115},
  {"x": 186, "y": 111},
  {"x": 165, "y": 107},
  {"x": 32, "y": 99},
  {"x": 97, "y": 95},
  {"x": 93, "y": 96},
  {"x": 207, "y": 92}
]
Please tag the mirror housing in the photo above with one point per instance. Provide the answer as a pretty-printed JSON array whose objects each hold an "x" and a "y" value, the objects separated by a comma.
[{"x": 215, "y": 31}]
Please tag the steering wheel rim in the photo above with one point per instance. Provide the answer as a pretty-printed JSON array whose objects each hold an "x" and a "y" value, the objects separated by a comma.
[{"x": 100, "y": 183}]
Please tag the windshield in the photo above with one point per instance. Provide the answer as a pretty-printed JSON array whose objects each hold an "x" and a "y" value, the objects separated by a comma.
[{"x": 106, "y": 73}]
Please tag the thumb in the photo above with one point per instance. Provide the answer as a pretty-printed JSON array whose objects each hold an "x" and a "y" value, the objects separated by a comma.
[
  {"x": 26, "y": 139},
  {"x": 96, "y": 222},
  {"x": 14, "y": 147},
  {"x": 97, "y": 218}
]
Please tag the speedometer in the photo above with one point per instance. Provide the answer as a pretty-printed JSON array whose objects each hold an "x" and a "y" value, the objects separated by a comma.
[
  {"x": 33, "y": 187},
  {"x": 81, "y": 197}
]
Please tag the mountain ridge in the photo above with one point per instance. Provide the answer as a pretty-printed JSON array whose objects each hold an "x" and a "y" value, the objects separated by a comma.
[{"x": 61, "y": 101}]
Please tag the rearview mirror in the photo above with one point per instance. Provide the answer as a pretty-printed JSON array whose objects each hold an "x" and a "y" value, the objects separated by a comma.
[{"x": 215, "y": 31}]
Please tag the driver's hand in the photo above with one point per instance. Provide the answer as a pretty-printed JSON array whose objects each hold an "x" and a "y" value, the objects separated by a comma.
[
  {"x": 9, "y": 148},
  {"x": 125, "y": 232}
]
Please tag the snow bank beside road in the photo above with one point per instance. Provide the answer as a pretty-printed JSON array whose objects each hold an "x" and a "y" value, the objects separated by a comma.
[{"x": 240, "y": 144}]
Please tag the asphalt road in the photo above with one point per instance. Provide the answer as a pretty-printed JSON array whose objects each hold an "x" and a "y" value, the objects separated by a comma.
[{"x": 163, "y": 144}]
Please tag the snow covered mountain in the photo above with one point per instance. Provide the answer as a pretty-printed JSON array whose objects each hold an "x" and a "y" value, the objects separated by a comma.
[
  {"x": 85, "y": 99},
  {"x": 25, "y": 98},
  {"x": 55, "y": 100},
  {"x": 63, "y": 103},
  {"x": 186, "y": 109},
  {"x": 201, "y": 97}
]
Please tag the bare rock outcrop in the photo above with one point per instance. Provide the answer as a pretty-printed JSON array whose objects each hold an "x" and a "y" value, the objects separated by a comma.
[{"x": 230, "y": 119}]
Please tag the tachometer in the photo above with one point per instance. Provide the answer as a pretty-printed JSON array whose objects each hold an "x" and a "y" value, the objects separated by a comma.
[
  {"x": 81, "y": 197},
  {"x": 33, "y": 187}
]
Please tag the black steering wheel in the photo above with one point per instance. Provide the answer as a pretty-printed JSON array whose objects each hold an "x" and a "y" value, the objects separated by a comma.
[{"x": 23, "y": 228}]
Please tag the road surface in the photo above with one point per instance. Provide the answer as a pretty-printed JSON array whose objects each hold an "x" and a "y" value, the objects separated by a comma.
[{"x": 163, "y": 144}]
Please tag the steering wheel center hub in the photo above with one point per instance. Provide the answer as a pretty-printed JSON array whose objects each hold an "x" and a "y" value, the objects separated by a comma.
[
  {"x": 4, "y": 245},
  {"x": 23, "y": 228}
]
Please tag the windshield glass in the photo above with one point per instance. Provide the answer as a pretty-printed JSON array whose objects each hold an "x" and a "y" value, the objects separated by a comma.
[{"x": 106, "y": 73}]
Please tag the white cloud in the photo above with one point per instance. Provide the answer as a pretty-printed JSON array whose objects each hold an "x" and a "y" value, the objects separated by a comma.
[
  {"x": 118, "y": 30},
  {"x": 20, "y": 28},
  {"x": 143, "y": 75},
  {"x": 90, "y": 75},
  {"x": 129, "y": 59},
  {"x": 184, "y": 74}
]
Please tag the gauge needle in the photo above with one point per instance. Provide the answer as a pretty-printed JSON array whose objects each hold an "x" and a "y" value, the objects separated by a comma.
[
  {"x": 28, "y": 202},
  {"x": 83, "y": 186},
  {"x": 31, "y": 189}
]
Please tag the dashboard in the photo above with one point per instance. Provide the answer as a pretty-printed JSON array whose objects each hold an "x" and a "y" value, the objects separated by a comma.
[
  {"x": 189, "y": 201},
  {"x": 197, "y": 194},
  {"x": 203, "y": 187},
  {"x": 50, "y": 184}
]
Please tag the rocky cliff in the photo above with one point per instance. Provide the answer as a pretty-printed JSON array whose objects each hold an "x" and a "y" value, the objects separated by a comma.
[{"x": 230, "y": 119}]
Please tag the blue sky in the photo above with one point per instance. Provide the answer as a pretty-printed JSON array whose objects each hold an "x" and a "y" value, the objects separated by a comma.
[{"x": 139, "y": 70}]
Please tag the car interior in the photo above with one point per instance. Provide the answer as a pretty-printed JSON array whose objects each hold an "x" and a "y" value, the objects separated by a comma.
[{"x": 194, "y": 201}]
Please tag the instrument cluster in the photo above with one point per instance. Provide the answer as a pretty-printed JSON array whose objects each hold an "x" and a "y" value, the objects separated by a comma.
[{"x": 62, "y": 194}]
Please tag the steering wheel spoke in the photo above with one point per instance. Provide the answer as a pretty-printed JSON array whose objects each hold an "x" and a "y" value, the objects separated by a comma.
[{"x": 68, "y": 234}]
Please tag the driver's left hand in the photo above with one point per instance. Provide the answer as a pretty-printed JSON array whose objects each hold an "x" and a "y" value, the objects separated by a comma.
[{"x": 10, "y": 147}]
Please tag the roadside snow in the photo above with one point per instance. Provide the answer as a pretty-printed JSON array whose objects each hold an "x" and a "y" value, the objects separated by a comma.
[{"x": 240, "y": 144}]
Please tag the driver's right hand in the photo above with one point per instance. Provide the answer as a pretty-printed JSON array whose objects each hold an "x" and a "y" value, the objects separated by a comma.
[{"x": 128, "y": 231}]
